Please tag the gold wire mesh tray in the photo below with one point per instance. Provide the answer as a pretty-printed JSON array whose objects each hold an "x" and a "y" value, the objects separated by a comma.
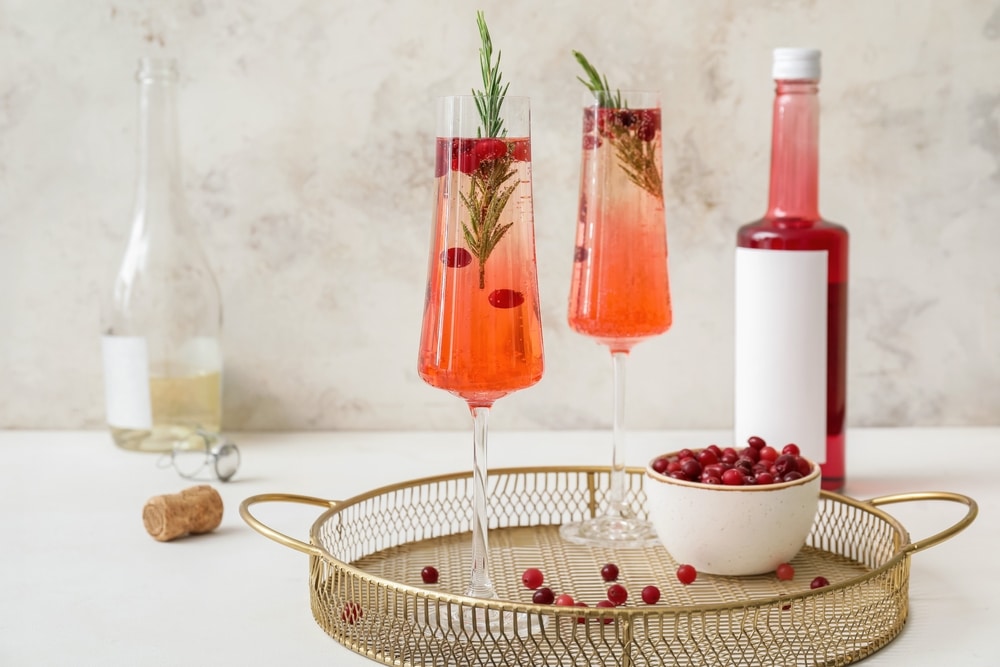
[{"x": 366, "y": 554}]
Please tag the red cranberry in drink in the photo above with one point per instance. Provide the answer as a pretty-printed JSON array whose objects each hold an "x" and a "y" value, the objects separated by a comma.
[
  {"x": 521, "y": 151},
  {"x": 580, "y": 254},
  {"x": 490, "y": 149},
  {"x": 456, "y": 258},
  {"x": 505, "y": 298},
  {"x": 591, "y": 142}
]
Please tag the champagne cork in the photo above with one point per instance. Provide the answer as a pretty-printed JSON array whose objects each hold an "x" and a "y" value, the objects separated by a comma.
[{"x": 195, "y": 510}]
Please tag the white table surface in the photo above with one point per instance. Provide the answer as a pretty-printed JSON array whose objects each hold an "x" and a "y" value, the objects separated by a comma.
[{"x": 81, "y": 583}]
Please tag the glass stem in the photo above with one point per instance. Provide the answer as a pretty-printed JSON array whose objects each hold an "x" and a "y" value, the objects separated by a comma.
[
  {"x": 480, "y": 585},
  {"x": 616, "y": 500}
]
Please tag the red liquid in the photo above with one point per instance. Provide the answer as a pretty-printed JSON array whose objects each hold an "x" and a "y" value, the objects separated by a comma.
[
  {"x": 482, "y": 332},
  {"x": 784, "y": 234},
  {"x": 620, "y": 292}
]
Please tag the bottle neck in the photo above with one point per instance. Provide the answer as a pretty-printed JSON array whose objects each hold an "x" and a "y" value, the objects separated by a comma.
[
  {"x": 794, "y": 190},
  {"x": 159, "y": 192}
]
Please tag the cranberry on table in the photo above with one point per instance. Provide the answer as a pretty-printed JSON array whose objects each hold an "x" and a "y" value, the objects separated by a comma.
[
  {"x": 532, "y": 578},
  {"x": 564, "y": 600},
  {"x": 650, "y": 594},
  {"x": 607, "y": 604},
  {"x": 352, "y": 613},
  {"x": 543, "y": 595},
  {"x": 617, "y": 594},
  {"x": 609, "y": 572},
  {"x": 819, "y": 582},
  {"x": 581, "y": 603},
  {"x": 429, "y": 574},
  {"x": 686, "y": 574},
  {"x": 785, "y": 572}
]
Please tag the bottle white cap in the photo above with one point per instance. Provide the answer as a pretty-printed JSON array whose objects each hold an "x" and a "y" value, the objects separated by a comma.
[{"x": 796, "y": 64}]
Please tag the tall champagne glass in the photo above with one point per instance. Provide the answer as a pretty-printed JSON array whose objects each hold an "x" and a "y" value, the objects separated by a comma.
[
  {"x": 620, "y": 292},
  {"x": 482, "y": 332}
]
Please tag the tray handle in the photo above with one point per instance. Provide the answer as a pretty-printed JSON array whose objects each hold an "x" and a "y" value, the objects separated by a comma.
[
  {"x": 937, "y": 538},
  {"x": 278, "y": 536}
]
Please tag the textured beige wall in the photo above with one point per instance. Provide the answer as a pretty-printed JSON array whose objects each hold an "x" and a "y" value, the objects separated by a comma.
[{"x": 306, "y": 131}]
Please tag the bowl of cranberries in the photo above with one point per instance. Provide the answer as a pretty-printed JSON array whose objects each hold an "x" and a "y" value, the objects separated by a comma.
[{"x": 731, "y": 511}]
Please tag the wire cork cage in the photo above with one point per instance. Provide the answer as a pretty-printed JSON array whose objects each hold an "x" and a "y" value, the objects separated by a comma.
[{"x": 366, "y": 554}]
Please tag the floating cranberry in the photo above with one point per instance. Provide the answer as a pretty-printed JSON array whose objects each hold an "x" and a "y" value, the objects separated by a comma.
[
  {"x": 626, "y": 117},
  {"x": 617, "y": 594},
  {"x": 819, "y": 582},
  {"x": 490, "y": 149},
  {"x": 506, "y": 298},
  {"x": 532, "y": 578},
  {"x": 456, "y": 257},
  {"x": 650, "y": 594},
  {"x": 791, "y": 448},
  {"x": 521, "y": 151},
  {"x": 649, "y": 124},
  {"x": 543, "y": 595},
  {"x": 463, "y": 155},
  {"x": 591, "y": 142},
  {"x": 785, "y": 572},
  {"x": 580, "y": 254},
  {"x": 352, "y": 613},
  {"x": 686, "y": 574},
  {"x": 564, "y": 600},
  {"x": 429, "y": 574},
  {"x": 609, "y": 572},
  {"x": 589, "y": 120}
]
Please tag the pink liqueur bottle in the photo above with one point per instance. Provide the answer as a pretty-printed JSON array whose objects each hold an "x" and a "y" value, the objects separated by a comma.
[{"x": 791, "y": 290}]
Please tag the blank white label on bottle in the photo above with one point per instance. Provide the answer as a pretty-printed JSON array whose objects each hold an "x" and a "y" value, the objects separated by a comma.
[
  {"x": 126, "y": 382},
  {"x": 781, "y": 351}
]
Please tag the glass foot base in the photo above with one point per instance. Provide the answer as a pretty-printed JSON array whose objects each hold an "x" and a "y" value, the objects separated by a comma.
[{"x": 611, "y": 531}]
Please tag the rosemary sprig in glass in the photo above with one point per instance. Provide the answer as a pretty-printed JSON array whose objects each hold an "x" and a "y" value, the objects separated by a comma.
[
  {"x": 635, "y": 152},
  {"x": 489, "y": 190}
]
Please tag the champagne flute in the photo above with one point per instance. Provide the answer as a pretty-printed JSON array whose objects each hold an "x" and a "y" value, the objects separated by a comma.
[
  {"x": 482, "y": 332},
  {"x": 620, "y": 292}
]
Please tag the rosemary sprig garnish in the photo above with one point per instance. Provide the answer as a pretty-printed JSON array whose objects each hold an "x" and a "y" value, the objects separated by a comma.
[
  {"x": 633, "y": 146},
  {"x": 489, "y": 190},
  {"x": 598, "y": 85},
  {"x": 490, "y": 98}
]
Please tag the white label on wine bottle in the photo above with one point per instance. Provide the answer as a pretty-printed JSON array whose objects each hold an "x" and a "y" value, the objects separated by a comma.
[
  {"x": 781, "y": 351},
  {"x": 126, "y": 382}
]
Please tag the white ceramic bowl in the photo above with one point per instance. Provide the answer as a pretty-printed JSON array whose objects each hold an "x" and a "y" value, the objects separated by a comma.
[{"x": 732, "y": 530}]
